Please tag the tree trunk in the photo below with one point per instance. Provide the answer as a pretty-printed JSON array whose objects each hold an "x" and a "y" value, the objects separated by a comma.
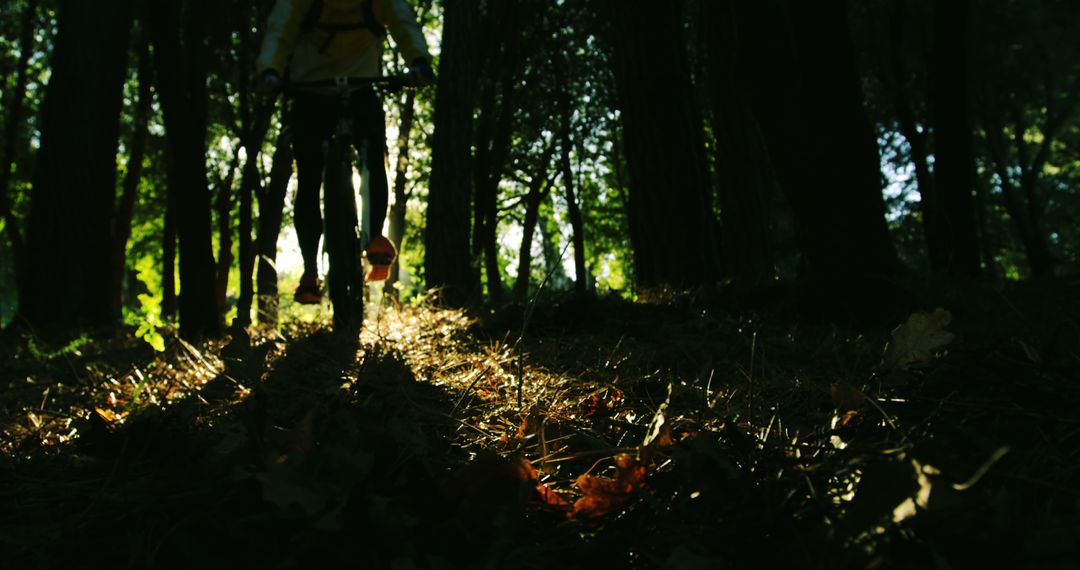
[
  {"x": 671, "y": 216},
  {"x": 12, "y": 123},
  {"x": 577, "y": 224},
  {"x": 539, "y": 187},
  {"x": 742, "y": 164},
  {"x": 271, "y": 208},
  {"x": 1021, "y": 195},
  {"x": 821, "y": 144},
  {"x": 69, "y": 249},
  {"x": 223, "y": 205},
  {"x": 250, "y": 184},
  {"x": 184, "y": 98},
  {"x": 254, "y": 129},
  {"x": 934, "y": 230},
  {"x": 549, "y": 245},
  {"x": 125, "y": 208},
  {"x": 447, "y": 263},
  {"x": 401, "y": 194},
  {"x": 954, "y": 160},
  {"x": 168, "y": 251}
]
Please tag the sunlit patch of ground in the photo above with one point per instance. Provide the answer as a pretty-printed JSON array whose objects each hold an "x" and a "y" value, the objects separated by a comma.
[{"x": 51, "y": 396}]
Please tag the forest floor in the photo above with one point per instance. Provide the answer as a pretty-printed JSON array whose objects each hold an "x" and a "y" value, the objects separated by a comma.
[{"x": 587, "y": 434}]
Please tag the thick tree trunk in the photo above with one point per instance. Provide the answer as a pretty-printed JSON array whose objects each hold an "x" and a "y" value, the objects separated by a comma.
[
  {"x": 69, "y": 245},
  {"x": 954, "y": 160},
  {"x": 447, "y": 263},
  {"x": 271, "y": 209},
  {"x": 539, "y": 186},
  {"x": 125, "y": 208},
  {"x": 821, "y": 144},
  {"x": 184, "y": 97},
  {"x": 12, "y": 123},
  {"x": 401, "y": 193},
  {"x": 742, "y": 163},
  {"x": 671, "y": 215}
]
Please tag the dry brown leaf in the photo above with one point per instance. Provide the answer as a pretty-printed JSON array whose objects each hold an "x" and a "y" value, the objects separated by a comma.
[
  {"x": 603, "y": 496},
  {"x": 494, "y": 480}
]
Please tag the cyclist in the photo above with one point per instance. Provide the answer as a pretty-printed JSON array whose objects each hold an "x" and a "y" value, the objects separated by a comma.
[{"x": 311, "y": 40}]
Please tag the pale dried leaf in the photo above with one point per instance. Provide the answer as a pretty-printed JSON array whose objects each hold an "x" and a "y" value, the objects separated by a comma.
[{"x": 918, "y": 339}]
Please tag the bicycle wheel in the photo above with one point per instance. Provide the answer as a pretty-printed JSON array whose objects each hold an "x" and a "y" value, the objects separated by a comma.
[{"x": 345, "y": 278}]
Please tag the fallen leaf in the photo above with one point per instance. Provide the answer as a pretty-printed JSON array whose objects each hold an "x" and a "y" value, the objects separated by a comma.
[
  {"x": 492, "y": 479},
  {"x": 918, "y": 339},
  {"x": 601, "y": 404},
  {"x": 847, "y": 398},
  {"x": 110, "y": 416},
  {"x": 602, "y": 496}
]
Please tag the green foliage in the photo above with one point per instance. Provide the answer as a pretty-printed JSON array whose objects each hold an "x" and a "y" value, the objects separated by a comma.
[{"x": 147, "y": 317}]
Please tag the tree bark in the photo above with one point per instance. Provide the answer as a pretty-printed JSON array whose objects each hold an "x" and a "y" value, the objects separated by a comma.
[
  {"x": 447, "y": 263},
  {"x": 742, "y": 164},
  {"x": 180, "y": 48},
  {"x": 168, "y": 251},
  {"x": 671, "y": 215},
  {"x": 954, "y": 160},
  {"x": 223, "y": 205},
  {"x": 821, "y": 144},
  {"x": 539, "y": 186},
  {"x": 12, "y": 121},
  {"x": 271, "y": 209},
  {"x": 577, "y": 223},
  {"x": 69, "y": 248},
  {"x": 250, "y": 184},
  {"x": 125, "y": 207},
  {"x": 933, "y": 230},
  {"x": 255, "y": 121}
]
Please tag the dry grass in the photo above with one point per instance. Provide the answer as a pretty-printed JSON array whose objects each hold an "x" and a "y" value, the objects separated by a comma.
[{"x": 736, "y": 441}]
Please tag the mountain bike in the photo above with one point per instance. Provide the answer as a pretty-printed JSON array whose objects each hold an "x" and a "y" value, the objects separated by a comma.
[{"x": 346, "y": 237}]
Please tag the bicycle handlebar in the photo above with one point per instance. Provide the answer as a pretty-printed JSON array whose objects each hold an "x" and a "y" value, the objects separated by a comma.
[{"x": 388, "y": 81}]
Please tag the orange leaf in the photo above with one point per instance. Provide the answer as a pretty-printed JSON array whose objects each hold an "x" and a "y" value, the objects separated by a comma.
[
  {"x": 493, "y": 479},
  {"x": 602, "y": 496}
]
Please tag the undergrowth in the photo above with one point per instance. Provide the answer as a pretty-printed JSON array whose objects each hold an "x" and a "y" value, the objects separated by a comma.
[{"x": 597, "y": 434}]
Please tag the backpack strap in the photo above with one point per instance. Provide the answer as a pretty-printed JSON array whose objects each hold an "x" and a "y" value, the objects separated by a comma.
[
  {"x": 314, "y": 14},
  {"x": 370, "y": 22}
]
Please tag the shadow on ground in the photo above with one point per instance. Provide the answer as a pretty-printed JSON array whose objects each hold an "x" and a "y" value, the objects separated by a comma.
[{"x": 329, "y": 461}]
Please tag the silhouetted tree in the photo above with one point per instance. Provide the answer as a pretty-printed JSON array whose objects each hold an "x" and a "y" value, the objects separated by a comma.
[
  {"x": 69, "y": 247},
  {"x": 178, "y": 30},
  {"x": 671, "y": 215},
  {"x": 447, "y": 262}
]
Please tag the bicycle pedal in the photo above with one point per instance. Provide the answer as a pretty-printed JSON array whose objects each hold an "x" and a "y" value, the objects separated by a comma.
[{"x": 378, "y": 273}]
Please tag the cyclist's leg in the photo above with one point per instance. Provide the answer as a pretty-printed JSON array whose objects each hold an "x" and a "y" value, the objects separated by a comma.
[
  {"x": 309, "y": 123},
  {"x": 370, "y": 121}
]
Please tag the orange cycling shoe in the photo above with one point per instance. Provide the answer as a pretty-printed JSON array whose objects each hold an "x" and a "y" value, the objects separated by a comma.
[
  {"x": 381, "y": 254},
  {"x": 309, "y": 292}
]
